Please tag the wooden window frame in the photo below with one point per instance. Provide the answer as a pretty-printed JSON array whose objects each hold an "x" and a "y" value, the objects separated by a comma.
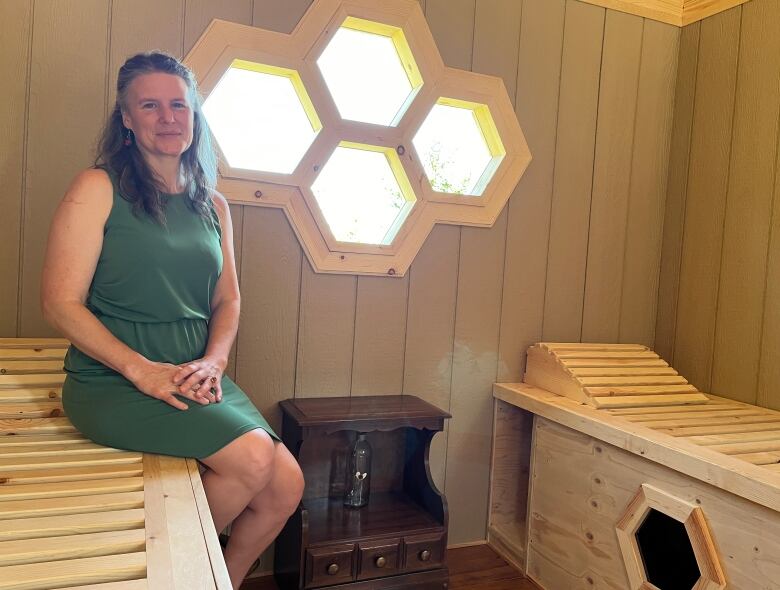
[{"x": 223, "y": 42}]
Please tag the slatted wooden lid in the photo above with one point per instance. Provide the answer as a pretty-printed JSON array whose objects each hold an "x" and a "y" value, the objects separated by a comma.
[
  {"x": 74, "y": 514},
  {"x": 608, "y": 375}
]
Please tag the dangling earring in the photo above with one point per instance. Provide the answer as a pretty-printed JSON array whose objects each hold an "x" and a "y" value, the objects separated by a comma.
[{"x": 128, "y": 137}]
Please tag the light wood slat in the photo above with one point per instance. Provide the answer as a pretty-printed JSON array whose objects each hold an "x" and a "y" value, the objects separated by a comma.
[
  {"x": 665, "y": 424},
  {"x": 717, "y": 439},
  {"x": 23, "y": 463},
  {"x": 34, "y": 343},
  {"x": 58, "y": 450},
  {"x": 621, "y": 371},
  {"x": 640, "y": 390},
  {"x": 29, "y": 367},
  {"x": 60, "y": 489},
  {"x": 648, "y": 400},
  {"x": 218, "y": 567},
  {"x": 140, "y": 584},
  {"x": 683, "y": 431},
  {"x": 607, "y": 355},
  {"x": 21, "y": 394},
  {"x": 19, "y": 426},
  {"x": 693, "y": 415},
  {"x": 73, "y": 524},
  {"x": 31, "y": 410},
  {"x": 773, "y": 467},
  {"x": 639, "y": 380},
  {"x": 67, "y": 547},
  {"x": 160, "y": 562},
  {"x": 71, "y": 474},
  {"x": 70, "y": 572},
  {"x": 739, "y": 448},
  {"x": 11, "y": 381},
  {"x": 634, "y": 363},
  {"x": 29, "y": 440},
  {"x": 628, "y": 413},
  {"x": 74, "y": 505},
  {"x": 19, "y": 354},
  {"x": 766, "y": 458},
  {"x": 55, "y": 449},
  {"x": 592, "y": 346}
]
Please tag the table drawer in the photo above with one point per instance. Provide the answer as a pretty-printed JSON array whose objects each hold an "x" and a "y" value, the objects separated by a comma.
[
  {"x": 330, "y": 565},
  {"x": 422, "y": 552},
  {"x": 378, "y": 558}
]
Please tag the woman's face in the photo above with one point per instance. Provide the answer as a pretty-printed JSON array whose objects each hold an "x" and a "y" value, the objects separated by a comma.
[{"x": 159, "y": 113}]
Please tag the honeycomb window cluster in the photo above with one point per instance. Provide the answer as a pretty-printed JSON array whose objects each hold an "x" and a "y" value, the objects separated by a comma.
[{"x": 354, "y": 127}]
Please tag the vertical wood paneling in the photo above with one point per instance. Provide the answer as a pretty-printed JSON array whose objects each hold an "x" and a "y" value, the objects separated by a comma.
[
  {"x": 66, "y": 111},
  {"x": 279, "y": 16},
  {"x": 528, "y": 214},
  {"x": 769, "y": 368},
  {"x": 452, "y": 25},
  {"x": 199, "y": 13},
  {"x": 326, "y": 330},
  {"x": 748, "y": 205},
  {"x": 611, "y": 176},
  {"x": 267, "y": 338},
  {"x": 705, "y": 201},
  {"x": 674, "y": 212},
  {"x": 142, "y": 25},
  {"x": 578, "y": 106},
  {"x": 380, "y": 334},
  {"x": 237, "y": 217},
  {"x": 433, "y": 284},
  {"x": 474, "y": 364},
  {"x": 15, "y": 32},
  {"x": 478, "y": 311},
  {"x": 649, "y": 171}
]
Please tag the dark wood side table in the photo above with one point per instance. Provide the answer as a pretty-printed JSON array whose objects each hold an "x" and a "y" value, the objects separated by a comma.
[{"x": 399, "y": 539}]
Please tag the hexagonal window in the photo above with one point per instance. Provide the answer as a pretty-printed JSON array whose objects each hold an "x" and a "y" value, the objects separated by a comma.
[
  {"x": 261, "y": 117},
  {"x": 667, "y": 553},
  {"x": 363, "y": 193},
  {"x": 459, "y": 147},
  {"x": 370, "y": 72}
]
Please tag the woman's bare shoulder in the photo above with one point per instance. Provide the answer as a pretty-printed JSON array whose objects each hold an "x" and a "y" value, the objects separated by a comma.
[{"x": 91, "y": 186}]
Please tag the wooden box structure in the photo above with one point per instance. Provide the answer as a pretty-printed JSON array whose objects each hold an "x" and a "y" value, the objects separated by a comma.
[
  {"x": 573, "y": 484},
  {"x": 74, "y": 514}
]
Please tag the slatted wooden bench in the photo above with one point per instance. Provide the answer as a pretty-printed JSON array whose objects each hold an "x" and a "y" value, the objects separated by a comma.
[{"x": 74, "y": 514}]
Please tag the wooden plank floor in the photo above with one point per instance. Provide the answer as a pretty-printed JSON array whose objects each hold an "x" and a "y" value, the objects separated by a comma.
[{"x": 471, "y": 568}]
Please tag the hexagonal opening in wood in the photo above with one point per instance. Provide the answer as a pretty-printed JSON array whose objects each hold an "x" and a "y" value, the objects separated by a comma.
[
  {"x": 459, "y": 147},
  {"x": 363, "y": 193},
  {"x": 666, "y": 544},
  {"x": 262, "y": 117},
  {"x": 370, "y": 72}
]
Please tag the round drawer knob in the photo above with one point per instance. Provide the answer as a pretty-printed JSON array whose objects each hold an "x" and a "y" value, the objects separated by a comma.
[
  {"x": 380, "y": 561},
  {"x": 333, "y": 569},
  {"x": 425, "y": 555}
]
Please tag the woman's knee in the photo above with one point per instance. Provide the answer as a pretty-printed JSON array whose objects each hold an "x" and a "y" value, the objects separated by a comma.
[
  {"x": 249, "y": 459},
  {"x": 291, "y": 490}
]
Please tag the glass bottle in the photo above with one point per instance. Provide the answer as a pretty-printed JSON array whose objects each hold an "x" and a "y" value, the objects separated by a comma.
[{"x": 358, "y": 480}]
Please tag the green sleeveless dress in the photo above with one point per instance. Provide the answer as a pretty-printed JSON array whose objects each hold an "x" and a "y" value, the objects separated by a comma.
[{"x": 152, "y": 289}]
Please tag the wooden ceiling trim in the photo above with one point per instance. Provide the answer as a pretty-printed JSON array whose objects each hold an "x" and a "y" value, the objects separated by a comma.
[{"x": 673, "y": 12}]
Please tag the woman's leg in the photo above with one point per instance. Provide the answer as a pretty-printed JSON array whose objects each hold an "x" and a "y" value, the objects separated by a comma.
[
  {"x": 265, "y": 515},
  {"x": 236, "y": 474},
  {"x": 258, "y": 483}
]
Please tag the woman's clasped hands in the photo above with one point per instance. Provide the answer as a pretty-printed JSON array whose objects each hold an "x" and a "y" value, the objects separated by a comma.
[{"x": 199, "y": 380}]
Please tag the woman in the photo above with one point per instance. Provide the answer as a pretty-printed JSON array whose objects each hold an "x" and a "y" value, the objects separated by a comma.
[{"x": 140, "y": 276}]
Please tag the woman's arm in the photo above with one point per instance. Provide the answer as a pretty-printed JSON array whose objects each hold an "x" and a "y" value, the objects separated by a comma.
[
  {"x": 72, "y": 252},
  {"x": 225, "y": 310}
]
